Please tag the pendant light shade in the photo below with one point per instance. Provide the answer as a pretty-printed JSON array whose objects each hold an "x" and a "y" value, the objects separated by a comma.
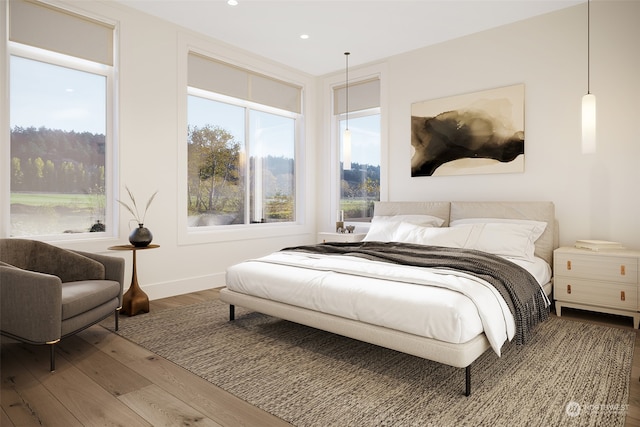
[
  {"x": 346, "y": 137},
  {"x": 588, "y": 100},
  {"x": 346, "y": 149},
  {"x": 588, "y": 124}
]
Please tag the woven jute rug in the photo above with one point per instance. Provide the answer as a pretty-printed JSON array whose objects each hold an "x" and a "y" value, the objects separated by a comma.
[{"x": 571, "y": 373}]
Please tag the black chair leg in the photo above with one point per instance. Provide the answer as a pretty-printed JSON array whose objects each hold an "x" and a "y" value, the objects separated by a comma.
[
  {"x": 52, "y": 349},
  {"x": 117, "y": 316},
  {"x": 467, "y": 378}
]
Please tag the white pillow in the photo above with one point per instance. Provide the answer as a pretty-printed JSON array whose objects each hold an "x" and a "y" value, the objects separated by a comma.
[
  {"x": 423, "y": 220},
  {"x": 381, "y": 231},
  {"x": 383, "y": 228},
  {"x": 537, "y": 227},
  {"x": 442, "y": 236},
  {"x": 511, "y": 240}
]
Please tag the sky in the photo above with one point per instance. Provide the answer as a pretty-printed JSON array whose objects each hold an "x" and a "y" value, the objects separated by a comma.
[{"x": 64, "y": 99}]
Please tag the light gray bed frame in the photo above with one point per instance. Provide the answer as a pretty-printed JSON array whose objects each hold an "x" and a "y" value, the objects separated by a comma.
[{"x": 457, "y": 355}]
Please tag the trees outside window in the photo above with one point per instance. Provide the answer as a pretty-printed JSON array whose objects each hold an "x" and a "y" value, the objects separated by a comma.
[
  {"x": 58, "y": 149},
  {"x": 236, "y": 179}
]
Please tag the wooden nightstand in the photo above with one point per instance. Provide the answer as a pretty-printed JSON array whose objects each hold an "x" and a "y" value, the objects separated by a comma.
[
  {"x": 324, "y": 237},
  {"x": 605, "y": 281}
]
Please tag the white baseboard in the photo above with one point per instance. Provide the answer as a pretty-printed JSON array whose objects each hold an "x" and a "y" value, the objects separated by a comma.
[{"x": 183, "y": 286}]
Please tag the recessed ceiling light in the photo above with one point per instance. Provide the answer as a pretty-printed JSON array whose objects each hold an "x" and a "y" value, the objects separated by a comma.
[
  {"x": 232, "y": 2},
  {"x": 304, "y": 36}
]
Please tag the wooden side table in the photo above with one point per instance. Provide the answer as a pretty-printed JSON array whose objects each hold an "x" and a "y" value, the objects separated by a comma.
[{"x": 134, "y": 301}]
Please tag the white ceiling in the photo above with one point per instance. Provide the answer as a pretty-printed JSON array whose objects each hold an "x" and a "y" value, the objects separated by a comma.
[{"x": 370, "y": 29}]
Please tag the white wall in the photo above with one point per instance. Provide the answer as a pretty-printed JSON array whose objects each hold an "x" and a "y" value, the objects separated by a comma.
[{"x": 596, "y": 196}]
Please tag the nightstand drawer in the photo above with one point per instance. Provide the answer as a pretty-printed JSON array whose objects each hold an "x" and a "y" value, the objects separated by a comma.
[
  {"x": 614, "y": 295},
  {"x": 607, "y": 268}
]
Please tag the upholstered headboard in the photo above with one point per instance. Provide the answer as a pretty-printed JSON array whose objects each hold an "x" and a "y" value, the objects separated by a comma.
[{"x": 451, "y": 211}]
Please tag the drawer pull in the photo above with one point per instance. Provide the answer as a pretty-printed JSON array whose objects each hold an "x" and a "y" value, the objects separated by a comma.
[
  {"x": 568, "y": 289},
  {"x": 569, "y": 265},
  {"x": 622, "y": 270},
  {"x": 621, "y": 295}
]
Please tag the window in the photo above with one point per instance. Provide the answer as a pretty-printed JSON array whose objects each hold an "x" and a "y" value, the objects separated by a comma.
[
  {"x": 360, "y": 179},
  {"x": 272, "y": 154},
  {"x": 59, "y": 115},
  {"x": 241, "y": 150}
]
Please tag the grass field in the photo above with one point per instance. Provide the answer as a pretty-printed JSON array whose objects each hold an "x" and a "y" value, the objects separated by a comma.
[
  {"x": 356, "y": 208},
  {"x": 74, "y": 201},
  {"x": 54, "y": 213}
]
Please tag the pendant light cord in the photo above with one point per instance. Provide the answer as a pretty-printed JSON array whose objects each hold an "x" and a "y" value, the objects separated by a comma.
[
  {"x": 346, "y": 55},
  {"x": 588, "y": 46}
]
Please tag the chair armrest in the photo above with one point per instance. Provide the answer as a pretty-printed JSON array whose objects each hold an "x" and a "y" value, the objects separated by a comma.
[
  {"x": 113, "y": 267},
  {"x": 31, "y": 305}
]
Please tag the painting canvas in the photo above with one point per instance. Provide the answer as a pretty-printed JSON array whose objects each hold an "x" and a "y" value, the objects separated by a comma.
[{"x": 476, "y": 133}]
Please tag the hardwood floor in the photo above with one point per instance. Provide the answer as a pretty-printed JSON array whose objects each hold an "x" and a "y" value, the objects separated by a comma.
[{"x": 104, "y": 379}]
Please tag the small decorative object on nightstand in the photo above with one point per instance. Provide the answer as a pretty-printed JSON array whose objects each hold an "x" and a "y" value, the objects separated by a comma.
[
  {"x": 598, "y": 280},
  {"x": 324, "y": 237},
  {"x": 340, "y": 222}
]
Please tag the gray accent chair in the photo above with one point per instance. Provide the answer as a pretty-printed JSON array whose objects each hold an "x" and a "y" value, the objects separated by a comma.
[{"x": 49, "y": 293}]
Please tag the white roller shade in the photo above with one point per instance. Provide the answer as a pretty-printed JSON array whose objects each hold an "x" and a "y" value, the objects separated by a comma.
[
  {"x": 46, "y": 27},
  {"x": 219, "y": 77},
  {"x": 362, "y": 96}
]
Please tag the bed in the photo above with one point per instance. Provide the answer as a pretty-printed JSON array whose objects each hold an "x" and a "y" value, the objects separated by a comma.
[{"x": 441, "y": 314}]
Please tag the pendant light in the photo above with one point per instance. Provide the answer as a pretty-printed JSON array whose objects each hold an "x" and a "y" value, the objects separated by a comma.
[
  {"x": 346, "y": 137},
  {"x": 588, "y": 100}
]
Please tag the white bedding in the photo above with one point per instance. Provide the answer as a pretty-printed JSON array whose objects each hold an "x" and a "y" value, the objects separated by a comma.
[{"x": 455, "y": 308}]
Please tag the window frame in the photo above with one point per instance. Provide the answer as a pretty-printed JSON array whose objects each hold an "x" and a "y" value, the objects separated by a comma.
[
  {"x": 327, "y": 218},
  {"x": 248, "y": 106},
  {"x": 304, "y": 190},
  {"x": 337, "y": 120},
  {"x": 83, "y": 65}
]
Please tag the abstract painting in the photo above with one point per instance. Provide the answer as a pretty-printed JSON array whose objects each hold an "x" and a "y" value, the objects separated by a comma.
[{"x": 476, "y": 133}]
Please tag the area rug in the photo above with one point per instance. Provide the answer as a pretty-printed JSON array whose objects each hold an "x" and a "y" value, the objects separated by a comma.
[{"x": 571, "y": 373}]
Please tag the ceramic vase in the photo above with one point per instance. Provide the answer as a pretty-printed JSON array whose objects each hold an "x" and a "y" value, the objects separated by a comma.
[{"x": 141, "y": 236}]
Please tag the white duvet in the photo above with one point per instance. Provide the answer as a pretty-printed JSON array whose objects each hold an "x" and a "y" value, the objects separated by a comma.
[{"x": 444, "y": 305}]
